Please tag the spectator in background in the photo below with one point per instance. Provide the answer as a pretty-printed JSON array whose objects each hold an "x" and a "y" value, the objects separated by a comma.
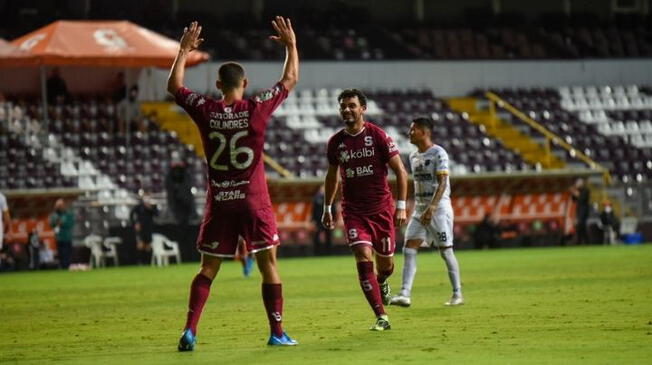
[
  {"x": 5, "y": 221},
  {"x": 129, "y": 111},
  {"x": 181, "y": 202},
  {"x": 320, "y": 248},
  {"x": 34, "y": 245},
  {"x": 609, "y": 223},
  {"x": 142, "y": 218},
  {"x": 56, "y": 87},
  {"x": 62, "y": 221},
  {"x": 582, "y": 197},
  {"x": 486, "y": 233},
  {"x": 118, "y": 88}
]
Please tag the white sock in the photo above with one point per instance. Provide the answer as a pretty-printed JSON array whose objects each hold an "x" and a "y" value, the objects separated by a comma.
[
  {"x": 409, "y": 270},
  {"x": 453, "y": 269}
]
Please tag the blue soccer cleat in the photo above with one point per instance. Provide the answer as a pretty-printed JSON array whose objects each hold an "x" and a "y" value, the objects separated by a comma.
[
  {"x": 187, "y": 341},
  {"x": 283, "y": 340}
]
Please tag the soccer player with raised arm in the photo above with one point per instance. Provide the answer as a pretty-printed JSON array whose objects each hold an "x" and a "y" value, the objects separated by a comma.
[
  {"x": 432, "y": 220},
  {"x": 361, "y": 151},
  {"x": 237, "y": 200}
]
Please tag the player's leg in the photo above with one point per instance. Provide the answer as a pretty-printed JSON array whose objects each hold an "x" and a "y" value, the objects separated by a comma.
[
  {"x": 415, "y": 235},
  {"x": 369, "y": 284},
  {"x": 199, "y": 292},
  {"x": 442, "y": 227},
  {"x": 245, "y": 258},
  {"x": 272, "y": 291},
  {"x": 261, "y": 236},
  {"x": 453, "y": 267},
  {"x": 384, "y": 245},
  {"x": 410, "y": 250},
  {"x": 385, "y": 268}
]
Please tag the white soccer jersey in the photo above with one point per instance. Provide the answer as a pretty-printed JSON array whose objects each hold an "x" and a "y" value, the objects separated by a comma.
[{"x": 425, "y": 168}]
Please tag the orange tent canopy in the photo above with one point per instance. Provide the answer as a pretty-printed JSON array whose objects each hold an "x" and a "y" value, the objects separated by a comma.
[
  {"x": 102, "y": 43},
  {"x": 12, "y": 56}
]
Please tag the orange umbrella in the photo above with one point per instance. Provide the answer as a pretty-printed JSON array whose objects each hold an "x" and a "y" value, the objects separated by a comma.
[
  {"x": 102, "y": 43},
  {"x": 12, "y": 56}
]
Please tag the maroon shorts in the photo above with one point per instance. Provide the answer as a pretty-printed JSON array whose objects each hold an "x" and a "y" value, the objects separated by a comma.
[
  {"x": 219, "y": 232},
  {"x": 375, "y": 230}
]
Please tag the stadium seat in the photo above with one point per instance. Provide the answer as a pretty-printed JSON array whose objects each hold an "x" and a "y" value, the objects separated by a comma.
[
  {"x": 101, "y": 250},
  {"x": 163, "y": 249}
]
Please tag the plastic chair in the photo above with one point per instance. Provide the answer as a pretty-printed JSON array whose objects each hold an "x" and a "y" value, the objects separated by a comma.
[
  {"x": 110, "y": 249},
  {"x": 102, "y": 250},
  {"x": 163, "y": 249}
]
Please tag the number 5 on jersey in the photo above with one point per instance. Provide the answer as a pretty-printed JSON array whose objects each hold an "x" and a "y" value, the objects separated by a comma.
[{"x": 233, "y": 151}]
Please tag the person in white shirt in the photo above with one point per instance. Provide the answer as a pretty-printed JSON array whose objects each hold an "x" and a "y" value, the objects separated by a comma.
[{"x": 432, "y": 219}]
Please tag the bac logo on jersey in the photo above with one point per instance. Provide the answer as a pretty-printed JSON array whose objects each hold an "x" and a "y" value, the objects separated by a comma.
[
  {"x": 364, "y": 170},
  {"x": 359, "y": 171},
  {"x": 228, "y": 109},
  {"x": 342, "y": 145},
  {"x": 213, "y": 245}
]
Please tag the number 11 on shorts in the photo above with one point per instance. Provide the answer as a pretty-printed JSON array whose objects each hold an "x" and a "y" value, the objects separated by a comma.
[{"x": 387, "y": 244}]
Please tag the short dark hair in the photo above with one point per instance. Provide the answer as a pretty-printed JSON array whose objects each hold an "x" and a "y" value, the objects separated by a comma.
[
  {"x": 230, "y": 74},
  {"x": 424, "y": 122},
  {"x": 349, "y": 93}
]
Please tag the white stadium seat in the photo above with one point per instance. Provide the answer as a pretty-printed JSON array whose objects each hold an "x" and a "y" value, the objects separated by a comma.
[{"x": 163, "y": 249}]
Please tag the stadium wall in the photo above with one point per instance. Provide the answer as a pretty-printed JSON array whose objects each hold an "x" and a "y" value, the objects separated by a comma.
[{"x": 446, "y": 78}]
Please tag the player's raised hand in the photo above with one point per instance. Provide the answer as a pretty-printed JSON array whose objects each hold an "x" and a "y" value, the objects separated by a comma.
[
  {"x": 327, "y": 220},
  {"x": 285, "y": 33},
  {"x": 400, "y": 216},
  {"x": 190, "y": 40}
]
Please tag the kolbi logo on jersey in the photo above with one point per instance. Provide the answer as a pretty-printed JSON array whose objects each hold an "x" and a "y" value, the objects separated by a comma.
[
  {"x": 392, "y": 146},
  {"x": 190, "y": 99},
  {"x": 346, "y": 156}
]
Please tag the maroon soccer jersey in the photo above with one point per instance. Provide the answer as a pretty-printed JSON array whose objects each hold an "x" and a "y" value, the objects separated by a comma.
[
  {"x": 233, "y": 137},
  {"x": 363, "y": 159}
]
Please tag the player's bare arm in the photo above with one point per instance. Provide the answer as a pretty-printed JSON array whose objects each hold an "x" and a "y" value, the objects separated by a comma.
[
  {"x": 396, "y": 164},
  {"x": 285, "y": 36},
  {"x": 330, "y": 188},
  {"x": 190, "y": 41},
  {"x": 436, "y": 197}
]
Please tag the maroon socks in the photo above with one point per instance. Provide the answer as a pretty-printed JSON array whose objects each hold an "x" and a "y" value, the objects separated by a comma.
[
  {"x": 383, "y": 275},
  {"x": 273, "y": 300},
  {"x": 370, "y": 287},
  {"x": 199, "y": 291}
]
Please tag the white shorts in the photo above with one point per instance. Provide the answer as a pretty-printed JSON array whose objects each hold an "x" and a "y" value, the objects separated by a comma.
[{"x": 438, "y": 233}]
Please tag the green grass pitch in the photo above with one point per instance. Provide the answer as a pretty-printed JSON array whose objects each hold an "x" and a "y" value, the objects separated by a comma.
[{"x": 590, "y": 305}]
